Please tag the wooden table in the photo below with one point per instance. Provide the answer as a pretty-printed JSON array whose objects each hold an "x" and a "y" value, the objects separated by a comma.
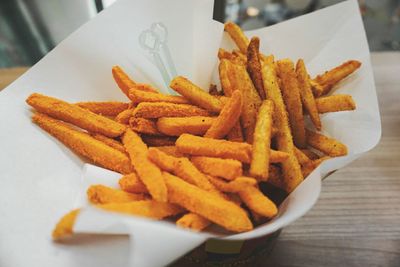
[{"x": 356, "y": 221}]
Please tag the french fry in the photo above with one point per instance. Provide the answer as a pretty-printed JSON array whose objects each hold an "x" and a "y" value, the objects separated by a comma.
[
  {"x": 195, "y": 94},
  {"x": 85, "y": 145},
  {"x": 310, "y": 154},
  {"x": 223, "y": 54},
  {"x": 291, "y": 97},
  {"x": 100, "y": 194},
  {"x": 76, "y": 115},
  {"x": 327, "y": 145},
  {"x": 175, "y": 126},
  {"x": 213, "y": 90},
  {"x": 275, "y": 177},
  {"x": 276, "y": 156},
  {"x": 125, "y": 116},
  {"x": 262, "y": 141},
  {"x": 330, "y": 78},
  {"x": 124, "y": 82},
  {"x": 164, "y": 161},
  {"x": 236, "y": 133},
  {"x": 144, "y": 87},
  {"x": 170, "y": 150},
  {"x": 258, "y": 202},
  {"x": 301, "y": 157},
  {"x": 158, "y": 141},
  {"x": 138, "y": 96},
  {"x": 306, "y": 93},
  {"x": 317, "y": 89},
  {"x": 226, "y": 168},
  {"x": 110, "y": 142},
  {"x": 193, "y": 221},
  {"x": 254, "y": 66},
  {"x": 149, "y": 110},
  {"x": 64, "y": 227},
  {"x": 132, "y": 184},
  {"x": 228, "y": 117},
  {"x": 335, "y": 103},
  {"x": 146, "y": 126},
  {"x": 237, "y": 35},
  {"x": 110, "y": 108},
  {"x": 209, "y": 205},
  {"x": 240, "y": 56},
  {"x": 233, "y": 186},
  {"x": 225, "y": 75},
  {"x": 308, "y": 168},
  {"x": 147, "y": 171},
  {"x": 291, "y": 168}
]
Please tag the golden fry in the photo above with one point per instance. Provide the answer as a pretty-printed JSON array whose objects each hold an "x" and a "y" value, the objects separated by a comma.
[
  {"x": 262, "y": 141},
  {"x": 147, "y": 171},
  {"x": 275, "y": 177},
  {"x": 209, "y": 205},
  {"x": 164, "y": 161},
  {"x": 236, "y": 133},
  {"x": 233, "y": 186},
  {"x": 278, "y": 156},
  {"x": 155, "y": 110},
  {"x": 195, "y": 94},
  {"x": 301, "y": 157},
  {"x": 327, "y": 145},
  {"x": 125, "y": 116},
  {"x": 226, "y": 168},
  {"x": 291, "y": 97},
  {"x": 228, "y": 117},
  {"x": 110, "y": 142},
  {"x": 310, "y": 154},
  {"x": 225, "y": 73},
  {"x": 158, "y": 141},
  {"x": 110, "y": 108},
  {"x": 100, "y": 194},
  {"x": 175, "y": 126},
  {"x": 235, "y": 58},
  {"x": 132, "y": 184},
  {"x": 138, "y": 96},
  {"x": 258, "y": 202},
  {"x": 85, "y": 145},
  {"x": 306, "y": 93},
  {"x": 316, "y": 88},
  {"x": 335, "y": 103},
  {"x": 193, "y": 221},
  {"x": 124, "y": 82},
  {"x": 335, "y": 75},
  {"x": 146, "y": 126},
  {"x": 64, "y": 227},
  {"x": 170, "y": 150},
  {"x": 78, "y": 116},
  {"x": 254, "y": 66},
  {"x": 237, "y": 35}
]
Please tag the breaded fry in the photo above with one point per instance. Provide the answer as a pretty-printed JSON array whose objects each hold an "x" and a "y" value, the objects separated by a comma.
[
  {"x": 262, "y": 141},
  {"x": 144, "y": 208},
  {"x": 258, "y": 202},
  {"x": 237, "y": 35},
  {"x": 124, "y": 82},
  {"x": 228, "y": 117},
  {"x": 291, "y": 97},
  {"x": 138, "y": 96},
  {"x": 65, "y": 225},
  {"x": 109, "y": 108},
  {"x": 306, "y": 94},
  {"x": 147, "y": 171},
  {"x": 254, "y": 66},
  {"x": 233, "y": 186},
  {"x": 145, "y": 88},
  {"x": 225, "y": 71},
  {"x": 335, "y": 103},
  {"x": 164, "y": 161},
  {"x": 175, "y": 126},
  {"x": 308, "y": 168},
  {"x": 85, "y": 145},
  {"x": 170, "y": 150},
  {"x": 209, "y": 205},
  {"x": 291, "y": 168},
  {"x": 327, "y": 145},
  {"x": 155, "y": 110},
  {"x": 310, "y": 154},
  {"x": 195, "y": 94},
  {"x": 335, "y": 75},
  {"x": 76, "y": 115},
  {"x": 142, "y": 125},
  {"x": 193, "y": 221},
  {"x": 276, "y": 156},
  {"x": 301, "y": 157},
  {"x": 110, "y": 142},
  {"x": 125, "y": 116},
  {"x": 100, "y": 194},
  {"x": 158, "y": 141},
  {"x": 226, "y": 168},
  {"x": 236, "y": 133},
  {"x": 132, "y": 184},
  {"x": 317, "y": 89}
]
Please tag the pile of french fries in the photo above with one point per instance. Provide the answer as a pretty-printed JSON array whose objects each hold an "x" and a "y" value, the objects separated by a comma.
[{"x": 199, "y": 157}]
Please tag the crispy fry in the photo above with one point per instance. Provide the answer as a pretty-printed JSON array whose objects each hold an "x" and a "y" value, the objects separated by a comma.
[
  {"x": 306, "y": 94},
  {"x": 85, "y": 145},
  {"x": 330, "y": 78},
  {"x": 225, "y": 76},
  {"x": 317, "y": 89},
  {"x": 327, "y": 145},
  {"x": 262, "y": 141},
  {"x": 254, "y": 66},
  {"x": 78, "y": 116},
  {"x": 124, "y": 82},
  {"x": 125, "y": 116},
  {"x": 146, "y": 126},
  {"x": 164, "y": 161},
  {"x": 100, "y": 194},
  {"x": 110, "y": 142},
  {"x": 291, "y": 168},
  {"x": 155, "y": 110},
  {"x": 335, "y": 103},
  {"x": 237, "y": 35},
  {"x": 158, "y": 141},
  {"x": 110, "y": 108},
  {"x": 233, "y": 186},
  {"x": 301, "y": 157},
  {"x": 228, "y": 117},
  {"x": 195, "y": 94},
  {"x": 258, "y": 202},
  {"x": 236, "y": 133},
  {"x": 170, "y": 150},
  {"x": 138, "y": 96},
  {"x": 278, "y": 156},
  {"x": 311, "y": 166},
  {"x": 310, "y": 154},
  {"x": 196, "y": 125},
  {"x": 64, "y": 227},
  {"x": 147, "y": 171},
  {"x": 193, "y": 221},
  {"x": 144, "y": 208},
  {"x": 132, "y": 184},
  {"x": 209, "y": 205},
  {"x": 291, "y": 97},
  {"x": 226, "y": 168},
  {"x": 275, "y": 177}
]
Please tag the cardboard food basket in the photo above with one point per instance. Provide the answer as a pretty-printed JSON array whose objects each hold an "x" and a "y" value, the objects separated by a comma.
[{"x": 79, "y": 69}]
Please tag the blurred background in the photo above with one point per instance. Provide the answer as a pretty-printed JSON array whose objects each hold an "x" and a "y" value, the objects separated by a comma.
[{"x": 31, "y": 28}]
